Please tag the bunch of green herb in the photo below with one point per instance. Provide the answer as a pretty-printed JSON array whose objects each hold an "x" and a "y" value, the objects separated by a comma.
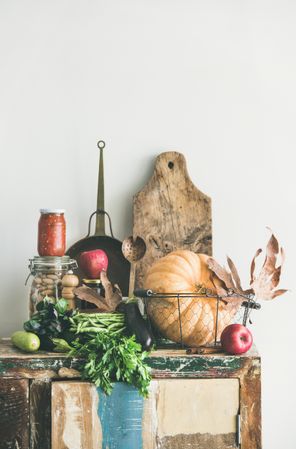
[
  {"x": 51, "y": 321},
  {"x": 111, "y": 357}
]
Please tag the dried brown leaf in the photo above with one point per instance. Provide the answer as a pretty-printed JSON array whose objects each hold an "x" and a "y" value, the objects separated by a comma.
[
  {"x": 279, "y": 292},
  {"x": 89, "y": 295},
  {"x": 107, "y": 303},
  {"x": 272, "y": 250},
  {"x": 269, "y": 276},
  {"x": 221, "y": 273},
  {"x": 253, "y": 264},
  {"x": 235, "y": 275},
  {"x": 231, "y": 284},
  {"x": 217, "y": 286},
  {"x": 113, "y": 296}
]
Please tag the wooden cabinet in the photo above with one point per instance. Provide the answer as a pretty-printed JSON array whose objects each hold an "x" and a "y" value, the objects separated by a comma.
[{"x": 195, "y": 402}]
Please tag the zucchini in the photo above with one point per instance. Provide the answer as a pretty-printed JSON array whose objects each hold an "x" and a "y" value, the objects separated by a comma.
[{"x": 27, "y": 341}]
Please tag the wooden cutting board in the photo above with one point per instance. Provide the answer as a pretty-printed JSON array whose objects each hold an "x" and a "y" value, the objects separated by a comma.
[{"x": 170, "y": 213}]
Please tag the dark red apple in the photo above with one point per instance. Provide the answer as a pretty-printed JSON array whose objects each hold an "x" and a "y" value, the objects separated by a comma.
[
  {"x": 236, "y": 339},
  {"x": 93, "y": 262}
]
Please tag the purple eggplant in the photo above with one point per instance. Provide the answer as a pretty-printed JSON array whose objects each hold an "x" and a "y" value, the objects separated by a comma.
[{"x": 138, "y": 326}]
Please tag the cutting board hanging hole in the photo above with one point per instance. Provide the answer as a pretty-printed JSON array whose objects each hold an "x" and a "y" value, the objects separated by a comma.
[{"x": 171, "y": 165}]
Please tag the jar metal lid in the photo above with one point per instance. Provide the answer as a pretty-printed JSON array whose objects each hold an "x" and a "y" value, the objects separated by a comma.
[
  {"x": 64, "y": 263},
  {"x": 91, "y": 281},
  {"x": 52, "y": 211}
]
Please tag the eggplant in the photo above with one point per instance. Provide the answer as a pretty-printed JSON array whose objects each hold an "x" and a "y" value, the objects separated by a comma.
[{"x": 138, "y": 326}]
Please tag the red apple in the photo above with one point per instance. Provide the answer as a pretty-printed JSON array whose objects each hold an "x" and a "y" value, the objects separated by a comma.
[
  {"x": 93, "y": 262},
  {"x": 236, "y": 339}
]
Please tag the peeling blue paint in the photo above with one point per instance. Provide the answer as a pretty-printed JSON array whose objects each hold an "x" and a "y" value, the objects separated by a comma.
[{"x": 121, "y": 417}]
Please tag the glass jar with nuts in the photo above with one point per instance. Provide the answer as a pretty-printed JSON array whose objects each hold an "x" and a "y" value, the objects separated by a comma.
[{"x": 48, "y": 273}]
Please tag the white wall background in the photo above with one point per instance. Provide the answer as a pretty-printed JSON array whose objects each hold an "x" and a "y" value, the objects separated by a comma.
[{"x": 213, "y": 79}]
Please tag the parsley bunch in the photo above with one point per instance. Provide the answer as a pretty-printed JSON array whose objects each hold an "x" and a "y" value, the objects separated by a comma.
[{"x": 113, "y": 357}]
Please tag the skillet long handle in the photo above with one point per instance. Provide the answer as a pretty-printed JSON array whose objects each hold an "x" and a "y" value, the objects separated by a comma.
[
  {"x": 99, "y": 212},
  {"x": 100, "y": 220}
]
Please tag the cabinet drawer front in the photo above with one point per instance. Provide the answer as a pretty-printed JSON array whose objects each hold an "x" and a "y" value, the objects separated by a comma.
[{"x": 191, "y": 413}]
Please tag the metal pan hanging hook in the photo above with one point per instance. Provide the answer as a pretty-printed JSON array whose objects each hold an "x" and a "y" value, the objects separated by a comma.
[{"x": 101, "y": 144}]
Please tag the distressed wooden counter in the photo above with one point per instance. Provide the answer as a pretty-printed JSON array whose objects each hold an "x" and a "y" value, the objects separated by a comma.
[{"x": 195, "y": 402}]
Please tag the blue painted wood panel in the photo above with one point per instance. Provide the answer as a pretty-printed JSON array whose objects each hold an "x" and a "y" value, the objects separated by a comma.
[{"x": 121, "y": 416}]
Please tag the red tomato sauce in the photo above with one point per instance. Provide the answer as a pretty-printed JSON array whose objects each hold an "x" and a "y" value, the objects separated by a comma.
[{"x": 51, "y": 234}]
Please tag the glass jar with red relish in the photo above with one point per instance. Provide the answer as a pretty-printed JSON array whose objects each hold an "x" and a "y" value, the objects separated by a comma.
[{"x": 51, "y": 233}]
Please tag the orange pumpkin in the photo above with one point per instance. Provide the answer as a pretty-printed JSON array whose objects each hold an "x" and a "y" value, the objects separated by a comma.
[{"x": 186, "y": 272}]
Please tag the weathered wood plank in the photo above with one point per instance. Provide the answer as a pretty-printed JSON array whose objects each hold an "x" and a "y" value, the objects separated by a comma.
[
  {"x": 121, "y": 416},
  {"x": 170, "y": 213},
  {"x": 35, "y": 368},
  {"x": 251, "y": 405},
  {"x": 164, "y": 363},
  {"x": 14, "y": 414},
  {"x": 40, "y": 365},
  {"x": 40, "y": 414},
  {"x": 187, "y": 366},
  {"x": 197, "y": 367},
  {"x": 191, "y": 413},
  {"x": 75, "y": 422}
]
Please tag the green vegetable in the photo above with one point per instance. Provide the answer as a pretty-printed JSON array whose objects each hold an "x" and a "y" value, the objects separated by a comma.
[
  {"x": 99, "y": 339},
  {"x": 61, "y": 345},
  {"x": 113, "y": 323},
  {"x": 113, "y": 357},
  {"x": 51, "y": 320},
  {"x": 26, "y": 341},
  {"x": 110, "y": 355}
]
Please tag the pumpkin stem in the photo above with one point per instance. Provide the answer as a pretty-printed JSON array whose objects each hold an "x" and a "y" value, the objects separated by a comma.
[{"x": 201, "y": 289}]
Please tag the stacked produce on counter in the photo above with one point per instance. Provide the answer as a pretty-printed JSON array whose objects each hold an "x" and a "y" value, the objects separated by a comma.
[{"x": 112, "y": 341}]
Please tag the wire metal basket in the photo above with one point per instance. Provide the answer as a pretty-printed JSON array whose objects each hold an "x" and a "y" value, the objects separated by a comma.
[{"x": 193, "y": 320}]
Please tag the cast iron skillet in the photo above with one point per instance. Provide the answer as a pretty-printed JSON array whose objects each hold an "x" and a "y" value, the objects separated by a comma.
[{"x": 118, "y": 268}]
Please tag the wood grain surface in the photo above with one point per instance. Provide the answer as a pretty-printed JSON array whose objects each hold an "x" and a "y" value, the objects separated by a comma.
[
  {"x": 170, "y": 213},
  {"x": 75, "y": 422},
  {"x": 40, "y": 414},
  {"x": 14, "y": 414}
]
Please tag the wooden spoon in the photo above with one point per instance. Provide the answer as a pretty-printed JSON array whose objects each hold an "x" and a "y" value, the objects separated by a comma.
[{"x": 133, "y": 250}]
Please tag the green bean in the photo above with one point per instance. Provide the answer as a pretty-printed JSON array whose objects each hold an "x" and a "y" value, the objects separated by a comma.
[
  {"x": 113, "y": 326},
  {"x": 93, "y": 330},
  {"x": 119, "y": 331},
  {"x": 112, "y": 323}
]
